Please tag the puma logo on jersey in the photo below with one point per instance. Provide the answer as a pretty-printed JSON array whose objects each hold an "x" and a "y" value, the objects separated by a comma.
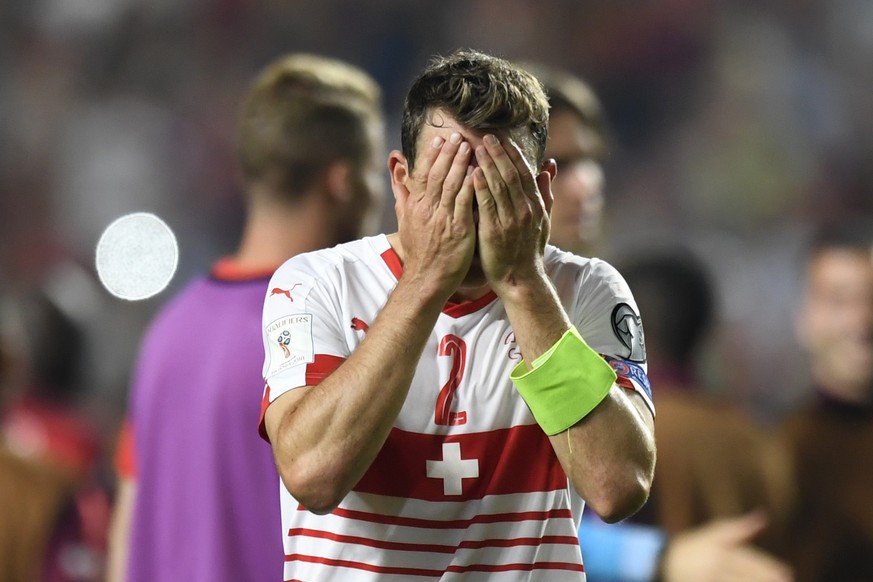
[
  {"x": 359, "y": 325},
  {"x": 285, "y": 292}
]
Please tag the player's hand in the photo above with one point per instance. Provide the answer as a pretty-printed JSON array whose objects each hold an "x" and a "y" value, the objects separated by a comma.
[
  {"x": 513, "y": 214},
  {"x": 721, "y": 552},
  {"x": 435, "y": 217}
]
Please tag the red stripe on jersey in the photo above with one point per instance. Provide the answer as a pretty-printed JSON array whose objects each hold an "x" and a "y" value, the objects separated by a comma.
[
  {"x": 436, "y": 573},
  {"x": 321, "y": 368},
  {"x": 514, "y": 460},
  {"x": 453, "y": 523},
  {"x": 393, "y": 261},
  {"x": 317, "y": 371},
  {"x": 625, "y": 383},
  {"x": 517, "y": 567},
  {"x": 265, "y": 402},
  {"x": 434, "y": 548},
  {"x": 363, "y": 566},
  {"x": 455, "y": 310}
]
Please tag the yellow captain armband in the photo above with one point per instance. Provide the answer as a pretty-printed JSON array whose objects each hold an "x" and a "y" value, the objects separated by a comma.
[{"x": 565, "y": 383}]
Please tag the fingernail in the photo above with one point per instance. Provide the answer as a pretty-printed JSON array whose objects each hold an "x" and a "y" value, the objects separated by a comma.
[
  {"x": 491, "y": 140},
  {"x": 464, "y": 148},
  {"x": 455, "y": 138},
  {"x": 437, "y": 142}
]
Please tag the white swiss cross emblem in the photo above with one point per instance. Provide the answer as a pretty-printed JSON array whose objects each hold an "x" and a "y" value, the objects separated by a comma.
[{"x": 453, "y": 469}]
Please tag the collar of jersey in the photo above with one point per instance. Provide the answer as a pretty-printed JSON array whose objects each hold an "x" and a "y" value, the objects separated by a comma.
[
  {"x": 451, "y": 308},
  {"x": 229, "y": 270}
]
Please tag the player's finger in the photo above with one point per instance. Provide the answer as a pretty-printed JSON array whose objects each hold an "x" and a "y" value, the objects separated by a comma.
[
  {"x": 495, "y": 189},
  {"x": 526, "y": 172},
  {"x": 427, "y": 157},
  {"x": 488, "y": 213},
  {"x": 455, "y": 176},
  {"x": 463, "y": 211},
  {"x": 513, "y": 169},
  {"x": 441, "y": 165},
  {"x": 544, "y": 183}
]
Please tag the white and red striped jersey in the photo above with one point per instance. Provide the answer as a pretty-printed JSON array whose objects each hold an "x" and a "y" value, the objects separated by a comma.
[{"x": 467, "y": 485}]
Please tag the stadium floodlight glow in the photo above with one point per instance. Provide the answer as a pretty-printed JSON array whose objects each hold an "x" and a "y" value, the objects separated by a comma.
[{"x": 137, "y": 256}]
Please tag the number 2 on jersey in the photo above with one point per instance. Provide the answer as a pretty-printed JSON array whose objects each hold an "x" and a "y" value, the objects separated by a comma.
[{"x": 455, "y": 348}]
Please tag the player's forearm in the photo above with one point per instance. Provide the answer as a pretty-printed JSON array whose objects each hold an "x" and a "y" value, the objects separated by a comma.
[
  {"x": 327, "y": 442},
  {"x": 609, "y": 455},
  {"x": 537, "y": 317}
]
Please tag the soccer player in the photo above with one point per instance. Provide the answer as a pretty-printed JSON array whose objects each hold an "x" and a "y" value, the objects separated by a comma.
[
  {"x": 442, "y": 401},
  {"x": 200, "y": 484}
]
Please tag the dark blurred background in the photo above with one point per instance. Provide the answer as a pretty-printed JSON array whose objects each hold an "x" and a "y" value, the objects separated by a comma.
[{"x": 737, "y": 127}]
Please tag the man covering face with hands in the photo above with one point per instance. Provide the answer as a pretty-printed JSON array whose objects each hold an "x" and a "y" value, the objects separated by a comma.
[{"x": 452, "y": 394}]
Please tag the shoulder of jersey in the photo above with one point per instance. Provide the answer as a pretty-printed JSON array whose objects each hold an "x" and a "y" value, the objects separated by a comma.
[
  {"x": 566, "y": 267},
  {"x": 557, "y": 259}
]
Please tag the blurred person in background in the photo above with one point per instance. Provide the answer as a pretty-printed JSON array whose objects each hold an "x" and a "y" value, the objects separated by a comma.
[
  {"x": 631, "y": 551},
  {"x": 831, "y": 437},
  {"x": 578, "y": 142},
  {"x": 46, "y": 351},
  {"x": 199, "y": 492},
  {"x": 54, "y": 506},
  {"x": 718, "y": 469}
]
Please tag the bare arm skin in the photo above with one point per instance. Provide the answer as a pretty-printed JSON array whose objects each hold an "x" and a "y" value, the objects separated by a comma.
[
  {"x": 326, "y": 436},
  {"x": 609, "y": 456}
]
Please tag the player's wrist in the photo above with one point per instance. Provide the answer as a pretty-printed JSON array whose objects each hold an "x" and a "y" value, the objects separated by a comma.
[
  {"x": 523, "y": 288},
  {"x": 564, "y": 384},
  {"x": 424, "y": 290}
]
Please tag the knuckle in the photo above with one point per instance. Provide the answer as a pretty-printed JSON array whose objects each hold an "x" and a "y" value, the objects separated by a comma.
[
  {"x": 450, "y": 186},
  {"x": 487, "y": 204},
  {"x": 512, "y": 176}
]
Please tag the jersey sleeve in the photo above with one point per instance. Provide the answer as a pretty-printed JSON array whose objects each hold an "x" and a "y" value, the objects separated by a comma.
[
  {"x": 606, "y": 315},
  {"x": 303, "y": 339}
]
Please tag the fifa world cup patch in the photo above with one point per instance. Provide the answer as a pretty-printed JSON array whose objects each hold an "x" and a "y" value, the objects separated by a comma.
[{"x": 290, "y": 342}]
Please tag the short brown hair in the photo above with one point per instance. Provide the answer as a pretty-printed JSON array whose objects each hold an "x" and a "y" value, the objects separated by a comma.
[
  {"x": 481, "y": 92},
  {"x": 302, "y": 113}
]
